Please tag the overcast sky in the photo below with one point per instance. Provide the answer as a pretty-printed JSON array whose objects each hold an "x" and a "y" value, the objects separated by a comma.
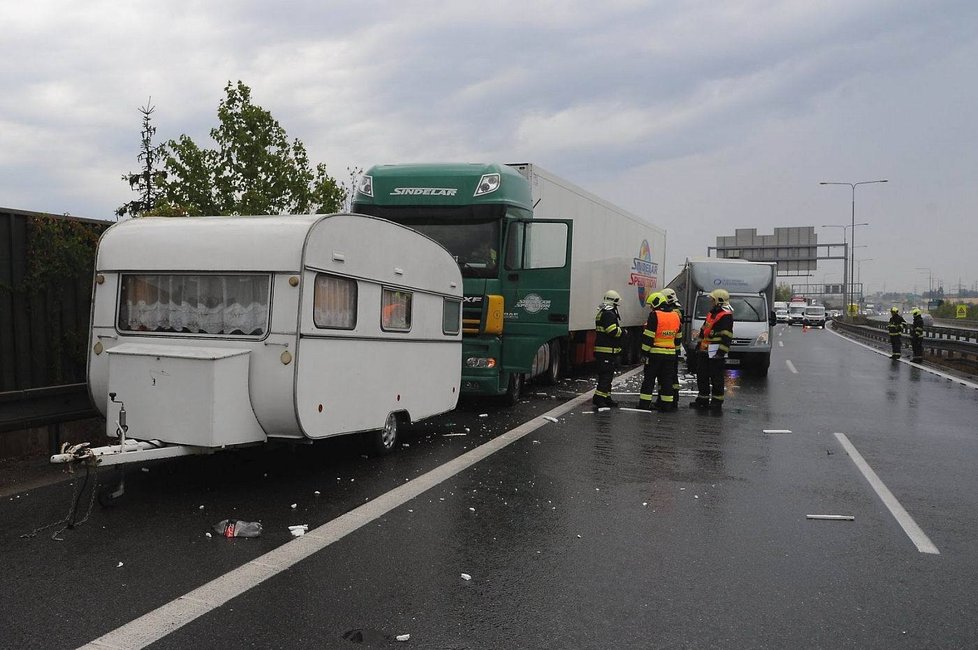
[{"x": 700, "y": 116}]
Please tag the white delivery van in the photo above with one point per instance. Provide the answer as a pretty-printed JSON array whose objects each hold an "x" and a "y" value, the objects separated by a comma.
[
  {"x": 814, "y": 316},
  {"x": 751, "y": 288},
  {"x": 796, "y": 313},
  {"x": 214, "y": 332}
]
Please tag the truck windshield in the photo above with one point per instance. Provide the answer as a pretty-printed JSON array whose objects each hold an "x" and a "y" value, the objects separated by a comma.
[
  {"x": 470, "y": 233},
  {"x": 746, "y": 309}
]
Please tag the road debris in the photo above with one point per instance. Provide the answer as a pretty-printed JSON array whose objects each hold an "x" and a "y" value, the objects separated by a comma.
[
  {"x": 299, "y": 530},
  {"x": 235, "y": 528},
  {"x": 403, "y": 637},
  {"x": 466, "y": 576},
  {"x": 832, "y": 517},
  {"x": 550, "y": 419}
]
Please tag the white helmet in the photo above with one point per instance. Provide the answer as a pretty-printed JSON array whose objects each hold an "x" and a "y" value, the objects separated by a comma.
[
  {"x": 611, "y": 297},
  {"x": 670, "y": 295}
]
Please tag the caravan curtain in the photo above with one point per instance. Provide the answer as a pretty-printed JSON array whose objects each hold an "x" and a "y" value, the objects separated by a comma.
[{"x": 228, "y": 305}]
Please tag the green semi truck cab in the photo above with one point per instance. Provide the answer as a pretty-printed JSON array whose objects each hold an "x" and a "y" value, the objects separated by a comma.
[{"x": 516, "y": 270}]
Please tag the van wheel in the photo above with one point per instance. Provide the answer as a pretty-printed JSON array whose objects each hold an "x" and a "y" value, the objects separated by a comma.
[
  {"x": 514, "y": 390},
  {"x": 384, "y": 440},
  {"x": 552, "y": 375}
]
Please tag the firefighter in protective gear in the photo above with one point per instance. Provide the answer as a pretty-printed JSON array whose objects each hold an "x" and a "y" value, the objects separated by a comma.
[
  {"x": 895, "y": 329},
  {"x": 659, "y": 354},
  {"x": 673, "y": 301},
  {"x": 917, "y": 336},
  {"x": 607, "y": 346},
  {"x": 714, "y": 344}
]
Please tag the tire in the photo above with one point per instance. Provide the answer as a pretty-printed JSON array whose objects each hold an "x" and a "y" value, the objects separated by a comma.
[
  {"x": 514, "y": 390},
  {"x": 384, "y": 441},
  {"x": 552, "y": 375}
]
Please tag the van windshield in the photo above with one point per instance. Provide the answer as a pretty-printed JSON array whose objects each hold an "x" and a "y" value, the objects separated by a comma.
[
  {"x": 746, "y": 309},
  {"x": 797, "y": 309}
]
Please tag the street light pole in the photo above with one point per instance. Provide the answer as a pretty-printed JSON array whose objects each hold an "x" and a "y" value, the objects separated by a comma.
[
  {"x": 930, "y": 282},
  {"x": 846, "y": 298},
  {"x": 852, "y": 267},
  {"x": 859, "y": 274}
]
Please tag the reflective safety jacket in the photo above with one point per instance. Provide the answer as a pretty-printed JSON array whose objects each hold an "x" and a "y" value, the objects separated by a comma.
[
  {"x": 608, "y": 331},
  {"x": 661, "y": 332},
  {"x": 918, "y": 327},
  {"x": 718, "y": 329},
  {"x": 895, "y": 326}
]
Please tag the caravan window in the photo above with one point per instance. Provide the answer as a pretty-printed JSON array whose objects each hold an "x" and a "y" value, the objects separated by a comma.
[
  {"x": 334, "y": 303},
  {"x": 395, "y": 310},
  {"x": 451, "y": 320},
  {"x": 226, "y": 305}
]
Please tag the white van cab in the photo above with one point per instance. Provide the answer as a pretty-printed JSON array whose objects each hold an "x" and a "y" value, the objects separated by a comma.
[{"x": 814, "y": 316}]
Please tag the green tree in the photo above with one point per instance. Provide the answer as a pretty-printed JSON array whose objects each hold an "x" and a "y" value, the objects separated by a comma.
[
  {"x": 254, "y": 169},
  {"x": 782, "y": 292},
  {"x": 147, "y": 182}
]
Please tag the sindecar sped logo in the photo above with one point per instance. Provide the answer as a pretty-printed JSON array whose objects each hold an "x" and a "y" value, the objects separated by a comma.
[
  {"x": 424, "y": 191},
  {"x": 644, "y": 272},
  {"x": 533, "y": 303}
]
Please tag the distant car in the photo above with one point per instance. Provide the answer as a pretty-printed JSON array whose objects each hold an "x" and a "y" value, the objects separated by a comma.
[
  {"x": 796, "y": 313},
  {"x": 782, "y": 315},
  {"x": 928, "y": 320},
  {"x": 814, "y": 316},
  {"x": 832, "y": 314}
]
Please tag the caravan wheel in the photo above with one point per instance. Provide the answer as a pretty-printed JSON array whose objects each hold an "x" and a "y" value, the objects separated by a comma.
[{"x": 384, "y": 440}]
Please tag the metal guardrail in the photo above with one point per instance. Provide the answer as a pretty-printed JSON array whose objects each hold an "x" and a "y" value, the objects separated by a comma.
[
  {"x": 938, "y": 338},
  {"x": 38, "y": 407}
]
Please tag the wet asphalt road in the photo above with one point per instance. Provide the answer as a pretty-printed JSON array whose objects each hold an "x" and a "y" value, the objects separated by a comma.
[{"x": 613, "y": 529}]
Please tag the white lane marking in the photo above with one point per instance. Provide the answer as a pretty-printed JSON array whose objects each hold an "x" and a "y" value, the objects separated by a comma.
[
  {"x": 791, "y": 366},
  {"x": 155, "y": 625},
  {"x": 780, "y": 344},
  {"x": 910, "y": 527},
  {"x": 943, "y": 375},
  {"x": 776, "y": 430}
]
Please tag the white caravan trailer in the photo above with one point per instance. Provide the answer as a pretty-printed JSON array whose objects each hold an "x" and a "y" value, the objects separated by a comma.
[{"x": 212, "y": 332}]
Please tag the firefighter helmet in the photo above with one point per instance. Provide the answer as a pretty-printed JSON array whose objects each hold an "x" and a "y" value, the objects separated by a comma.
[
  {"x": 720, "y": 296},
  {"x": 611, "y": 297},
  {"x": 655, "y": 300},
  {"x": 915, "y": 311},
  {"x": 671, "y": 296},
  {"x": 894, "y": 309}
]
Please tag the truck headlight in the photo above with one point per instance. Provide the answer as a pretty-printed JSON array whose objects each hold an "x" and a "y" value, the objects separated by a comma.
[
  {"x": 761, "y": 339},
  {"x": 480, "y": 362}
]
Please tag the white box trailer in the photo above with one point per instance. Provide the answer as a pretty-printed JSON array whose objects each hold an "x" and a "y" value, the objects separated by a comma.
[
  {"x": 214, "y": 332},
  {"x": 612, "y": 249}
]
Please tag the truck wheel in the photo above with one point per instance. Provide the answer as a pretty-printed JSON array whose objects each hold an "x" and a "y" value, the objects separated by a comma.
[
  {"x": 383, "y": 441},
  {"x": 552, "y": 374},
  {"x": 514, "y": 390}
]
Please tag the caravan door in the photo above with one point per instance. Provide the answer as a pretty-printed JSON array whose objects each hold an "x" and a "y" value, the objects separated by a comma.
[{"x": 536, "y": 289}]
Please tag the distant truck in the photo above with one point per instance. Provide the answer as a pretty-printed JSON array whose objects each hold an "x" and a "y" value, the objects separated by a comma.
[
  {"x": 536, "y": 252},
  {"x": 215, "y": 332},
  {"x": 751, "y": 287}
]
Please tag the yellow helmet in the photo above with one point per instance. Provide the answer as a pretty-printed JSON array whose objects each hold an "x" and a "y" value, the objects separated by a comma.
[
  {"x": 894, "y": 309},
  {"x": 721, "y": 296},
  {"x": 611, "y": 297},
  {"x": 915, "y": 311},
  {"x": 655, "y": 300}
]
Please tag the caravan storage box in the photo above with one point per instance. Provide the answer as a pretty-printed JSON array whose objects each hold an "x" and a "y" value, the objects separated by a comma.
[{"x": 185, "y": 395}]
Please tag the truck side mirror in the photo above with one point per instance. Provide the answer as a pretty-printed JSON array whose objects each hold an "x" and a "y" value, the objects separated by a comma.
[{"x": 772, "y": 318}]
